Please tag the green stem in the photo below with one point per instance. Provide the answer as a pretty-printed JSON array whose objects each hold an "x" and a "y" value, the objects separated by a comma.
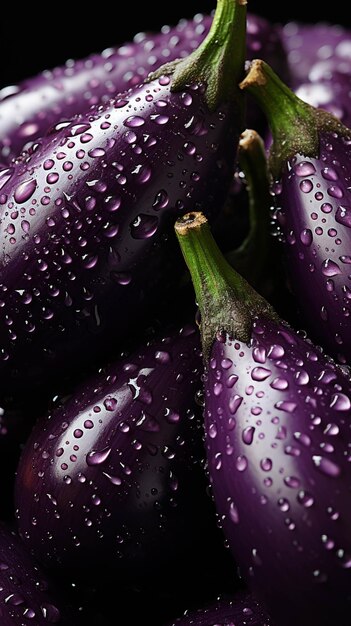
[
  {"x": 226, "y": 301},
  {"x": 295, "y": 125},
  {"x": 219, "y": 59},
  {"x": 257, "y": 245}
]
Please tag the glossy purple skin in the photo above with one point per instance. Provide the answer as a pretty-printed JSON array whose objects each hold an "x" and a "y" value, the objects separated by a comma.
[
  {"x": 242, "y": 610},
  {"x": 25, "y": 593},
  {"x": 278, "y": 433},
  {"x": 332, "y": 95},
  {"x": 30, "y": 108},
  {"x": 87, "y": 224},
  {"x": 316, "y": 51},
  {"x": 115, "y": 475},
  {"x": 314, "y": 219}
]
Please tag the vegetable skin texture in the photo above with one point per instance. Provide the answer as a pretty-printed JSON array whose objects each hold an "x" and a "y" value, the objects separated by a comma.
[
  {"x": 87, "y": 237},
  {"x": 330, "y": 94},
  {"x": 242, "y": 610},
  {"x": 116, "y": 475},
  {"x": 30, "y": 109},
  {"x": 315, "y": 51},
  {"x": 26, "y": 595},
  {"x": 277, "y": 440},
  {"x": 310, "y": 173}
]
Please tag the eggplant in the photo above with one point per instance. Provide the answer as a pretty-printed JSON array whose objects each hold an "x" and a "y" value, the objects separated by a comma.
[
  {"x": 87, "y": 218},
  {"x": 113, "y": 479},
  {"x": 332, "y": 95},
  {"x": 277, "y": 441},
  {"x": 241, "y": 610},
  {"x": 29, "y": 109},
  {"x": 315, "y": 51},
  {"x": 26, "y": 595},
  {"x": 309, "y": 165}
]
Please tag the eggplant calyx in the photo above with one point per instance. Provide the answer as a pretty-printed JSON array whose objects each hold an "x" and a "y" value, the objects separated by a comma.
[
  {"x": 218, "y": 61},
  {"x": 228, "y": 304},
  {"x": 295, "y": 125}
]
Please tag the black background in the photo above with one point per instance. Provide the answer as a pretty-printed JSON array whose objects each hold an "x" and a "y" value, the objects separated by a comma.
[{"x": 34, "y": 38}]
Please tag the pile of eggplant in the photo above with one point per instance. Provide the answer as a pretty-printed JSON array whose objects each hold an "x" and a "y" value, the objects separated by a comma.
[{"x": 175, "y": 331}]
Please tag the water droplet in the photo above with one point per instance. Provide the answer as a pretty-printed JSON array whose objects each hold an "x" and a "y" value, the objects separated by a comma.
[
  {"x": 161, "y": 200},
  {"x": 212, "y": 431},
  {"x": 90, "y": 260},
  {"x": 329, "y": 543},
  {"x": 159, "y": 119},
  {"x": 50, "y": 613},
  {"x": 306, "y": 186},
  {"x": 162, "y": 356},
  {"x": 15, "y": 599},
  {"x": 303, "y": 438},
  {"x": 231, "y": 380},
  {"x": 326, "y": 207},
  {"x": 122, "y": 278},
  {"x": 115, "y": 480},
  {"x": 305, "y": 498},
  {"x": 304, "y": 168},
  {"x": 134, "y": 121},
  {"x": 241, "y": 463},
  {"x": 142, "y": 173},
  {"x": 226, "y": 363},
  {"x": 326, "y": 466},
  {"x": 234, "y": 513},
  {"x": 266, "y": 464},
  {"x": 286, "y": 405},
  {"x": 343, "y": 215},
  {"x": 306, "y": 237},
  {"x": 335, "y": 192},
  {"x": 280, "y": 384},
  {"x": 329, "y": 173},
  {"x": 144, "y": 226},
  {"x": 260, "y": 373},
  {"x": 276, "y": 351},
  {"x": 284, "y": 504},
  {"x": 97, "y": 457},
  {"x": 331, "y": 430},
  {"x": 110, "y": 404},
  {"x": 25, "y": 190},
  {"x": 301, "y": 377},
  {"x": 292, "y": 481},
  {"x": 330, "y": 268},
  {"x": 340, "y": 402},
  {"x": 248, "y": 435},
  {"x": 234, "y": 403}
]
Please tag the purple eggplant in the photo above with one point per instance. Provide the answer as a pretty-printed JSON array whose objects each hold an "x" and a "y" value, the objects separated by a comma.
[
  {"x": 333, "y": 95},
  {"x": 29, "y": 109},
  {"x": 113, "y": 480},
  {"x": 278, "y": 441},
  {"x": 316, "y": 51},
  {"x": 309, "y": 163},
  {"x": 87, "y": 219},
  {"x": 242, "y": 610},
  {"x": 25, "y": 593}
]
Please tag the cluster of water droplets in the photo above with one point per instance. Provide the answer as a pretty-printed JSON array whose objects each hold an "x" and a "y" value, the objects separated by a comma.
[
  {"x": 123, "y": 447},
  {"x": 73, "y": 88},
  {"x": 91, "y": 198},
  {"x": 277, "y": 435},
  {"x": 312, "y": 216},
  {"x": 23, "y": 590},
  {"x": 318, "y": 54}
]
